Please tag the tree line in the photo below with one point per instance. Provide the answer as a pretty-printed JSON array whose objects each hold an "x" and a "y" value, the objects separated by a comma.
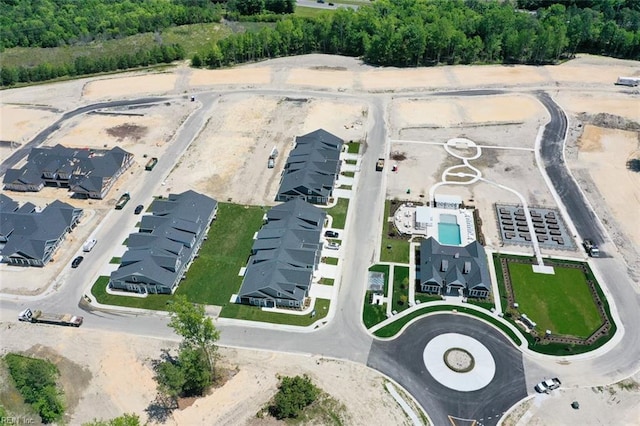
[
  {"x": 83, "y": 65},
  {"x": 419, "y": 33},
  {"x": 51, "y": 23}
]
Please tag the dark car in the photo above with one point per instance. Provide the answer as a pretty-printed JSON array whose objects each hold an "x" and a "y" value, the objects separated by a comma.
[
  {"x": 331, "y": 234},
  {"x": 77, "y": 261},
  {"x": 138, "y": 209}
]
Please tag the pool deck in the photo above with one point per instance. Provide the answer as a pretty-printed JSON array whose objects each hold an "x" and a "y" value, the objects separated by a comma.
[{"x": 405, "y": 221}]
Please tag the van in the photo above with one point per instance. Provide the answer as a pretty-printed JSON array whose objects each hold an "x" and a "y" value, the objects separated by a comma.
[{"x": 271, "y": 163}]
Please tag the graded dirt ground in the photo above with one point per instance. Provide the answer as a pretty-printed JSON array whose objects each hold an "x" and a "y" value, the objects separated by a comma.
[{"x": 228, "y": 160}]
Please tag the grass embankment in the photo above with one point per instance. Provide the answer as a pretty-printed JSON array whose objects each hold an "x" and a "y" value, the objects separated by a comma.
[
  {"x": 252, "y": 313},
  {"x": 561, "y": 302},
  {"x": 392, "y": 249}
]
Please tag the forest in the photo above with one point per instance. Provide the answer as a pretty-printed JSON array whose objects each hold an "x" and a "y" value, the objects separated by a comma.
[
  {"x": 385, "y": 32},
  {"x": 422, "y": 33}
]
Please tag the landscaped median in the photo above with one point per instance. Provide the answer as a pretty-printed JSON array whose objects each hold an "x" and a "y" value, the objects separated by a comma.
[{"x": 213, "y": 277}]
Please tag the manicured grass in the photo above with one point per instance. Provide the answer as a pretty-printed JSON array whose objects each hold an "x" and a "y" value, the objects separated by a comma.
[
  {"x": 213, "y": 276},
  {"x": 339, "y": 213},
  {"x": 253, "y": 313},
  {"x": 372, "y": 314},
  {"x": 155, "y": 302},
  {"x": 392, "y": 329},
  {"x": 400, "y": 288},
  {"x": 354, "y": 147},
  {"x": 115, "y": 260},
  {"x": 330, "y": 260},
  {"x": 193, "y": 38},
  {"x": 345, "y": 187},
  {"x": 392, "y": 249},
  {"x": 352, "y": 162},
  {"x": 348, "y": 174},
  {"x": 504, "y": 300},
  {"x": 426, "y": 297},
  {"x": 561, "y": 302},
  {"x": 326, "y": 281}
]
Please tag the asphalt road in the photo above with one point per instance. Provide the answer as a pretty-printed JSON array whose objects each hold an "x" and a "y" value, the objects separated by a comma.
[
  {"x": 344, "y": 335},
  {"x": 402, "y": 360},
  {"x": 552, "y": 154}
]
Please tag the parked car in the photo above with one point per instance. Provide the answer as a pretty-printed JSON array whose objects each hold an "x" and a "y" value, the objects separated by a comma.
[
  {"x": 331, "y": 234},
  {"x": 333, "y": 246},
  {"x": 77, "y": 261},
  {"x": 138, "y": 209},
  {"x": 547, "y": 386}
]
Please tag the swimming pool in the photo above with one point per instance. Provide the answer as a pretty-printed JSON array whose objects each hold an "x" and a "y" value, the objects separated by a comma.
[{"x": 449, "y": 230}]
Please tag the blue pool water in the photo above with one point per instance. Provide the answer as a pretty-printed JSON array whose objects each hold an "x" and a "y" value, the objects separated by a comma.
[{"x": 449, "y": 234}]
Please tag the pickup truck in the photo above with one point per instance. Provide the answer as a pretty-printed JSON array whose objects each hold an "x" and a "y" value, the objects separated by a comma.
[
  {"x": 57, "y": 319},
  {"x": 380, "y": 164},
  {"x": 548, "y": 385},
  {"x": 591, "y": 248},
  {"x": 151, "y": 164},
  {"x": 89, "y": 245}
]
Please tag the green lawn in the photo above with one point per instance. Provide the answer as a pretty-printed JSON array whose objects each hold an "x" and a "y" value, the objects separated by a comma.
[
  {"x": 426, "y": 297},
  {"x": 253, "y": 313},
  {"x": 373, "y": 314},
  {"x": 352, "y": 162},
  {"x": 394, "y": 328},
  {"x": 561, "y": 302},
  {"x": 213, "y": 276},
  {"x": 193, "y": 38},
  {"x": 155, "y": 302},
  {"x": 115, "y": 260},
  {"x": 400, "y": 288},
  {"x": 326, "y": 281},
  {"x": 392, "y": 249},
  {"x": 354, "y": 147},
  {"x": 330, "y": 260},
  {"x": 348, "y": 174},
  {"x": 339, "y": 213}
]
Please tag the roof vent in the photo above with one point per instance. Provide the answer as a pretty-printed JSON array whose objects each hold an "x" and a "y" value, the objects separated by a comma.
[{"x": 456, "y": 256}]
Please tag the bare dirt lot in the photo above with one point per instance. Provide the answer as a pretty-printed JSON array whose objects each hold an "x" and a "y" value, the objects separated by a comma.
[
  {"x": 113, "y": 374},
  {"x": 228, "y": 161}
]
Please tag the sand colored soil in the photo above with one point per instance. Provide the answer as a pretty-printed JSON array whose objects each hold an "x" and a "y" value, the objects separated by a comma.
[
  {"x": 398, "y": 79},
  {"x": 129, "y": 86},
  {"x": 120, "y": 378},
  {"x": 230, "y": 76},
  {"x": 497, "y": 75},
  {"x": 18, "y": 124},
  {"x": 595, "y": 102},
  {"x": 609, "y": 405},
  {"x": 337, "y": 79},
  {"x": 570, "y": 73},
  {"x": 455, "y": 112},
  {"x": 604, "y": 153}
]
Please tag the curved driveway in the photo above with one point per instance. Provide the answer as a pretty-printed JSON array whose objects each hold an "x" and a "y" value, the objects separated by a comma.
[{"x": 344, "y": 336}]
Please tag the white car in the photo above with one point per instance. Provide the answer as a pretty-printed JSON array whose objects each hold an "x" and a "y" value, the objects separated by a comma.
[
  {"x": 548, "y": 385},
  {"x": 333, "y": 246},
  {"x": 89, "y": 245}
]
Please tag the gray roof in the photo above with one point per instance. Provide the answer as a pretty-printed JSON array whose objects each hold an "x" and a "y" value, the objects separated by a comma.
[
  {"x": 88, "y": 170},
  {"x": 285, "y": 252},
  {"x": 466, "y": 266},
  {"x": 30, "y": 233},
  {"x": 157, "y": 254},
  {"x": 312, "y": 166}
]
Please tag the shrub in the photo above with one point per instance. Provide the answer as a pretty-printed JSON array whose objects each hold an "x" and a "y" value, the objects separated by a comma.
[{"x": 294, "y": 395}]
